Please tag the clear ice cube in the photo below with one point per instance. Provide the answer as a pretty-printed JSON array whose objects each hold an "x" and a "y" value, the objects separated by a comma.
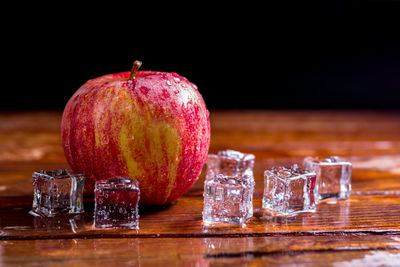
[
  {"x": 116, "y": 203},
  {"x": 233, "y": 164},
  {"x": 333, "y": 176},
  {"x": 227, "y": 199},
  {"x": 57, "y": 192},
  {"x": 229, "y": 163},
  {"x": 289, "y": 190}
]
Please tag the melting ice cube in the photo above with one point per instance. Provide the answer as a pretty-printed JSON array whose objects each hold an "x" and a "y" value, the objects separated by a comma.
[
  {"x": 333, "y": 176},
  {"x": 116, "y": 203},
  {"x": 289, "y": 190},
  {"x": 57, "y": 192}
]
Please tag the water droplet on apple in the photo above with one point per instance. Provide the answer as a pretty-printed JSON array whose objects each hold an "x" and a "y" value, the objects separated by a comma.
[
  {"x": 176, "y": 92},
  {"x": 177, "y": 80},
  {"x": 169, "y": 82}
]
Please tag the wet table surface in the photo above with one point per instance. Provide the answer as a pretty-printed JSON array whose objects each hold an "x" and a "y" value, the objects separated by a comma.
[{"x": 363, "y": 230}]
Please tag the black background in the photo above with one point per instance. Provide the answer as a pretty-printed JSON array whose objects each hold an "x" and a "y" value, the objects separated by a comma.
[{"x": 242, "y": 55}]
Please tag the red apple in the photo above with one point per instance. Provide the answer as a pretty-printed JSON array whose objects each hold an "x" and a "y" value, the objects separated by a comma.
[{"x": 151, "y": 126}]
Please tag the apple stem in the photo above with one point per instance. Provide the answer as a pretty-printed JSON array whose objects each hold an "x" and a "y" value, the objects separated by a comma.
[{"x": 135, "y": 68}]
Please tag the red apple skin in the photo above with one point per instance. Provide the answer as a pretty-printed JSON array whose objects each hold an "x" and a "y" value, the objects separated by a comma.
[{"x": 154, "y": 128}]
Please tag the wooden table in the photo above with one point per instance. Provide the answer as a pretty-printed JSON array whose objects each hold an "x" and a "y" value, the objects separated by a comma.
[{"x": 364, "y": 229}]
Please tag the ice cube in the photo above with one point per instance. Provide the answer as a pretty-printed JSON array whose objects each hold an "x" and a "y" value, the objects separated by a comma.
[
  {"x": 333, "y": 176},
  {"x": 57, "y": 192},
  {"x": 229, "y": 163},
  {"x": 236, "y": 165},
  {"x": 289, "y": 190},
  {"x": 116, "y": 203},
  {"x": 227, "y": 199}
]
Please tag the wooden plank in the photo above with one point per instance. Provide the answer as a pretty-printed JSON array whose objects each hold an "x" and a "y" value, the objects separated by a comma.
[
  {"x": 288, "y": 134},
  {"x": 360, "y": 214},
  {"x": 316, "y": 250}
]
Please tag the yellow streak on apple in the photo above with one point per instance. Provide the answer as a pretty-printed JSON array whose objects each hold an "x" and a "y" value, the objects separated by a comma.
[
  {"x": 125, "y": 136},
  {"x": 172, "y": 146},
  {"x": 151, "y": 129}
]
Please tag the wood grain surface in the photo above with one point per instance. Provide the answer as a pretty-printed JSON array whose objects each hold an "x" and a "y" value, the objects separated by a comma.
[{"x": 363, "y": 230}]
